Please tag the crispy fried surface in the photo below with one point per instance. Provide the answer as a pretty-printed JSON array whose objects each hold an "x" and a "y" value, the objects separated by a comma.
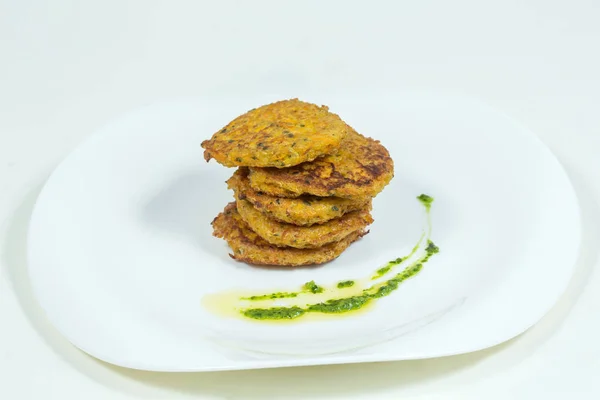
[
  {"x": 248, "y": 247},
  {"x": 302, "y": 237},
  {"x": 280, "y": 134},
  {"x": 361, "y": 168},
  {"x": 304, "y": 210}
]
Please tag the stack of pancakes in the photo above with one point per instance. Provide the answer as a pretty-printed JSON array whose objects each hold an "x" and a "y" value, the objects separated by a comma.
[{"x": 304, "y": 184}]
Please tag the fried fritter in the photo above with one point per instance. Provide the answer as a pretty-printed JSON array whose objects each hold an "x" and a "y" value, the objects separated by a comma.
[
  {"x": 304, "y": 210},
  {"x": 361, "y": 168},
  {"x": 281, "y": 134},
  {"x": 302, "y": 237},
  {"x": 248, "y": 247}
]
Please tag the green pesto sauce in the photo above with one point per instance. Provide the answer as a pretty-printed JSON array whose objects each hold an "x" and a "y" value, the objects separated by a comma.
[
  {"x": 384, "y": 270},
  {"x": 391, "y": 264},
  {"x": 278, "y": 295},
  {"x": 339, "y": 305},
  {"x": 274, "y": 313},
  {"x": 308, "y": 287},
  {"x": 425, "y": 200},
  {"x": 347, "y": 304},
  {"x": 312, "y": 287}
]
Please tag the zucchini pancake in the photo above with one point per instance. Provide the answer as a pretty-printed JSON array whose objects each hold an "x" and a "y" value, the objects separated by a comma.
[
  {"x": 283, "y": 234},
  {"x": 304, "y": 185},
  {"x": 303, "y": 210},
  {"x": 362, "y": 167},
  {"x": 280, "y": 134},
  {"x": 248, "y": 247}
]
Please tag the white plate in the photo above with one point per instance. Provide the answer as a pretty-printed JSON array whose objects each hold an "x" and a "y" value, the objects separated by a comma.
[{"x": 121, "y": 252}]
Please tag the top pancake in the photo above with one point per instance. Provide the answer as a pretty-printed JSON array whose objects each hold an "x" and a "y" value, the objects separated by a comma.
[
  {"x": 281, "y": 134},
  {"x": 362, "y": 167}
]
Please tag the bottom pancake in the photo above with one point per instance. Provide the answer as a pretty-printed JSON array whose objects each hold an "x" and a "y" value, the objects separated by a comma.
[{"x": 248, "y": 247}]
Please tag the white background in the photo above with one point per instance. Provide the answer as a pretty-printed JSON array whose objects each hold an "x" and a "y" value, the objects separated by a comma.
[{"x": 66, "y": 67}]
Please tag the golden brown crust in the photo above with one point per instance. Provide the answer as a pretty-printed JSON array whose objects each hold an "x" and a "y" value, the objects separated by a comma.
[
  {"x": 305, "y": 210},
  {"x": 361, "y": 168},
  {"x": 281, "y": 134},
  {"x": 248, "y": 247},
  {"x": 302, "y": 237}
]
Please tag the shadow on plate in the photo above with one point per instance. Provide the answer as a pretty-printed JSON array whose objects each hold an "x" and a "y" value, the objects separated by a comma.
[
  {"x": 181, "y": 208},
  {"x": 299, "y": 382}
]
